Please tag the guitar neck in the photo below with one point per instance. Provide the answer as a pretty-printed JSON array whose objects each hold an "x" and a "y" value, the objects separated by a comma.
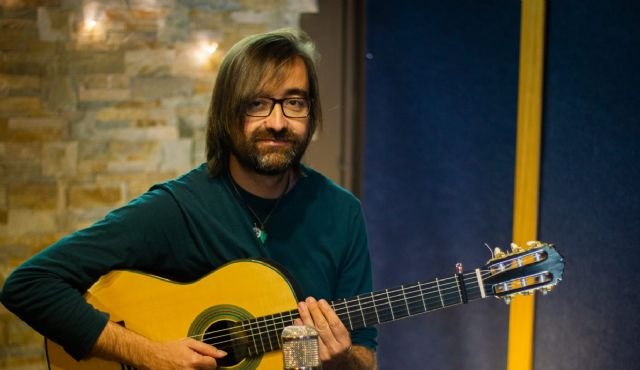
[
  {"x": 373, "y": 308},
  {"x": 405, "y": 301}
]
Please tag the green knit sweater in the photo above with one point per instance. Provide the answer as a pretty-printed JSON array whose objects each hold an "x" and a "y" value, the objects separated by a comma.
[{"x": 182, "y": 230}]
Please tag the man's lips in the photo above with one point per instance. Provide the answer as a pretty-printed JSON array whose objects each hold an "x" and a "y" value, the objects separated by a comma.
[{"x": 272, "y": 141}]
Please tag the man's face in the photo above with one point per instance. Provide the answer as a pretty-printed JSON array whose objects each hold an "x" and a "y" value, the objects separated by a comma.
[{"x": 271, "y": 145}]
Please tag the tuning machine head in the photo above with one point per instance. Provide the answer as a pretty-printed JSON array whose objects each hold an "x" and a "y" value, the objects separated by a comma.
[
  {"x": 498, "y": 253},
  {"x": 515, "y": 248},
  {"x": 547, "y": 290}
]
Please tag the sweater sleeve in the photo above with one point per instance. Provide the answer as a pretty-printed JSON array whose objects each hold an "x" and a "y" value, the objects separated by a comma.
[
  {"x": 47, "y": 290},
  {"x": 356, "y": 275}
]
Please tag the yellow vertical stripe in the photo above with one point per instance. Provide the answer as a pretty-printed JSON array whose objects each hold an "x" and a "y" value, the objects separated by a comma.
[{"x": 525, "y": 219}]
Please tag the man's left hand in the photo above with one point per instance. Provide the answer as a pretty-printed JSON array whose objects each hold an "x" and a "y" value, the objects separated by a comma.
[{"x": 335, "y": 340}]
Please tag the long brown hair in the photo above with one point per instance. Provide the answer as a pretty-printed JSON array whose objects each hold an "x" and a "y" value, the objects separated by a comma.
[{"x": 251, "y": 61}]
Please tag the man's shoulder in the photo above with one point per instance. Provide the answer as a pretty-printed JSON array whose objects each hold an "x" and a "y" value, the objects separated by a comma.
[
  {"x": 197, "y": 177},
  {"x": 192, "y": 185},
  {"x": 325, "y": 185}
]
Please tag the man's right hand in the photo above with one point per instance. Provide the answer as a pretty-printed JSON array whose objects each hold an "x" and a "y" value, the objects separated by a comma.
[{"x": 119, "y": 344}]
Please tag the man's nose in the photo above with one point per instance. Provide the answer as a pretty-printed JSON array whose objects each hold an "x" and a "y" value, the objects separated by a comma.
[{"x": 276, "y": 120}]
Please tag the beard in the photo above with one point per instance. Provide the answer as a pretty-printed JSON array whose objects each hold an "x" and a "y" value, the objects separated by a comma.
[{"x": 269, "y": 160}]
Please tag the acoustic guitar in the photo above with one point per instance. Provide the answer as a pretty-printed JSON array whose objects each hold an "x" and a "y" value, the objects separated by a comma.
[{"x": 243, "y": 306}]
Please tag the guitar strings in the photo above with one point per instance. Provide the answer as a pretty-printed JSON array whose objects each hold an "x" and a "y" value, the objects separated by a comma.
[
  {"x": 259, "y": 344},
  {"x": 262, "y": 344},
  {"x": 272, "y": 325},
  {"x": 293, "y": 314},
  {"x": 367, "y": 306}
]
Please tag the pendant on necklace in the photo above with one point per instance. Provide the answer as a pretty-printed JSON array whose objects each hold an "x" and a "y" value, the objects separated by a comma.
[{"x": 261, "y": 234}]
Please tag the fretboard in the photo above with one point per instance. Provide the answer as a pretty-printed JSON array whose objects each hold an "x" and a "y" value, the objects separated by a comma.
[
  {"x": 405, "y": 301},
  {"x": 365, "y": 310}
]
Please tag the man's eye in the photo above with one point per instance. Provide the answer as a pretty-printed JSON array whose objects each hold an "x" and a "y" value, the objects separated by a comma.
[
  {"x": 258, "y": 103},
  {"x": 296, "y": 103}
]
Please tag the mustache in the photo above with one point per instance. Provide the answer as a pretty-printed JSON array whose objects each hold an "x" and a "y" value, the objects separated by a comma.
[{"x": 271, "y": 134}]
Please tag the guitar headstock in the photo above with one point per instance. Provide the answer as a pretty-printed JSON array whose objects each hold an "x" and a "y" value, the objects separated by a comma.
[{"x": 523, "y": 271}]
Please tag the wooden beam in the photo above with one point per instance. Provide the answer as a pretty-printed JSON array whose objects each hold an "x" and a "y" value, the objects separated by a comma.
[{"x": 527, "y": 173}]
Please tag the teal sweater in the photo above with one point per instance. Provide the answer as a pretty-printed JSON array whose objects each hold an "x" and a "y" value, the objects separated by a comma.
[{"x": 182, "y": 230}]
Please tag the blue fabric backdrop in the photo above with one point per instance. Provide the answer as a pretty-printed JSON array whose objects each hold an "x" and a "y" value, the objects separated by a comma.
[
  {"x": 590, "y": 199},
  {"x": 438, "y": 173}
]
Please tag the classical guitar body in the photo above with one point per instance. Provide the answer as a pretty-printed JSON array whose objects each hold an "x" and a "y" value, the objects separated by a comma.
[
  {"x": 164, "y": 310},
  {"x": 243, "y": 307}
]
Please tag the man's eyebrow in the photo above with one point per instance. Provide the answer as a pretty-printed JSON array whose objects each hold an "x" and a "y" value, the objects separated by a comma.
[
  {"x": 300, "y": 92},
  {"x": 289, "y": 92}
]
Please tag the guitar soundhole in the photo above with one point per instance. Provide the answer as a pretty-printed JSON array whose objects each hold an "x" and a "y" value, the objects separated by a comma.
[{"x": 229, "y": 337}]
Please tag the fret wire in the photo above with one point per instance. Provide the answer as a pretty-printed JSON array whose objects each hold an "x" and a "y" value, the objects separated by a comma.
[
  {"x": 352, "y": 306},
  {"x": 415, "y": 299},
  {"x": 439, "y": 293},
  {"x": 250, "y": 339},
  {"x": 278, "y": 329},
  {"x": 362, "y": 308},
  {"x": 410, "y": 298},
  {"x": 399, "y": 307},
  {"x": 419, "y": 304},
  {"x": 375, "y": 308},
  {"x": 284, "y": 324},
  {"x": 368, "y": 310},
  {"x": 268, "y": 336},
  {"x": 257, "y": 326},
  {"x": 274, "y": 333},
  {"x": 259, "y": 334},
  {"x": 265, "y": 333},
  {"x": 452, "y": 298},
  {"x": 406, "y": 303},
  {"x": 281, "y": 327},
  {"x": 364, "y": 320},
  {"x": 459, "y": 290},
  {"x": 422, "y": 297},
  {"x": 390, "y": 307},
  {"x": 270, "y": 331},
  {"x": 385, "y": 310},
  {"x": 253, "y": 337},
  {"x": 336, "y": 307},
  {"x": 342, "y": 315},
  {"x": 344, "y": 302},
  {"x": 435, "y": 300}
]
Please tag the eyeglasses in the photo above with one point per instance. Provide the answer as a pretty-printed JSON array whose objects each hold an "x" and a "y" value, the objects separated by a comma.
[{"x": 291, "y": 107}]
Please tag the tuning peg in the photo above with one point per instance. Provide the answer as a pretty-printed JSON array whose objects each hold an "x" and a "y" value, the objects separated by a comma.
[
  {"x": 534, "y": 244},
  {"x": 546, "y": 290},
  {"x": 515, "y": 248},
  {"x": 498, "y": 253}
]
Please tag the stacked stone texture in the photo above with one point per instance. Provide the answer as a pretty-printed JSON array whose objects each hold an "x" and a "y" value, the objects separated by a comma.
[{"x": 90, "y": 117}]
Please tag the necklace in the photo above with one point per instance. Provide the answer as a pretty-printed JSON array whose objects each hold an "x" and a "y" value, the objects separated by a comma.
[{"x": 259, "y": 225}]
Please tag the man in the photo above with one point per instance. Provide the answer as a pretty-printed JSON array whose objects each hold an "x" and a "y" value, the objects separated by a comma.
[{"x": 252, "y": 199}]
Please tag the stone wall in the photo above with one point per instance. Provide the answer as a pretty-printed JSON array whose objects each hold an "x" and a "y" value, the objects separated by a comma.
[{"x": 98, "y": 101}]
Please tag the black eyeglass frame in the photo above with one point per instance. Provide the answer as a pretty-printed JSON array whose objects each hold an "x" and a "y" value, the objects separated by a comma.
[{"x": 280, "y": 102}]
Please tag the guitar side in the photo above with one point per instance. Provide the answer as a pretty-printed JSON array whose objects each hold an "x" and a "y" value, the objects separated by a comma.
[{"x": 164, "y": 310}]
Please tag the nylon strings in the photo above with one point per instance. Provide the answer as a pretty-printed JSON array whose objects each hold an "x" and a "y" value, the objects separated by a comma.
[{"x": 266, "y": 328}]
